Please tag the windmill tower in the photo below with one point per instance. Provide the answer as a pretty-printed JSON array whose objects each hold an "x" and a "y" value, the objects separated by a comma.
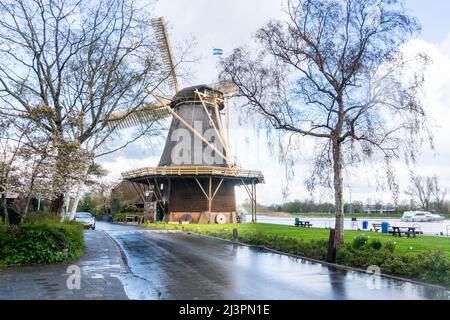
[{"x": 196, "y": 176}]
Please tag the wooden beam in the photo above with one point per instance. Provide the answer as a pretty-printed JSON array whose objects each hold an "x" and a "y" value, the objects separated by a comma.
[
  {"x": 201, "y": 187},
  {"x": 161, "y": 201},
  {"x": 193, "y": 130},
  {"x": 247, "y": 189},
  {"x": 253, "y": 206},
  {"x": 217, "y": 189},
  {"x": 220, "y": 131},
  {"x": 219, "y": 134},
  {"x": 254, "y": 198},
  {"x": 158, "y": 95},
  {"x": 209, "y": 193},
  {"x": 138, "y": 190}
]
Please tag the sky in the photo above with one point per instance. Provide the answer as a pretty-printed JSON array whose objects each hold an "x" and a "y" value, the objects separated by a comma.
[{"x": 230, "y": 24}]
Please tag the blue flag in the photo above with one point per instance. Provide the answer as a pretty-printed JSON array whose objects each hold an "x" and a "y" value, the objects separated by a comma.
[{"x": 217, "y": 52}]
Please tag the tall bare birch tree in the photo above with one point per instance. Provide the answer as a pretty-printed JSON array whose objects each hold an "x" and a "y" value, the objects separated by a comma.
[{"x": 334, "y": 71}]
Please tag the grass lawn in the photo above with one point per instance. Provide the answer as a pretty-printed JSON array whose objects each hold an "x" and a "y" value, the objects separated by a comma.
[{"x": 406, "y": 246}]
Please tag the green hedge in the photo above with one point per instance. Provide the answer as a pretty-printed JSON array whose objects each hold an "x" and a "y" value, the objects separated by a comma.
[
  {"x": 41, "y": 242},
  {"x": 430, "y": 266}
]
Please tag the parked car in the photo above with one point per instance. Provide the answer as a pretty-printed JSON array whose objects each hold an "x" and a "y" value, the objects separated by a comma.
[
  {"x": 86, "y": 219},
  {"x": 421, "y": 216}
]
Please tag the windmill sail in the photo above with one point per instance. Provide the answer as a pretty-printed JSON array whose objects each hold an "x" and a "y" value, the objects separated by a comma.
[
  {"x": 132, "y": 118},
  {"x": 164, "y": 45}
]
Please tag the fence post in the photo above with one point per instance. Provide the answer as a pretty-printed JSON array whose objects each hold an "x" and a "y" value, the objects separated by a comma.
[
  {"x": 331, "y": 254},
  {"x": 235, "y": 234}
]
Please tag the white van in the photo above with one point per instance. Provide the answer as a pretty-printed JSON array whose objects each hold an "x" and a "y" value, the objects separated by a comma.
[{"x": 421, "y": 216}]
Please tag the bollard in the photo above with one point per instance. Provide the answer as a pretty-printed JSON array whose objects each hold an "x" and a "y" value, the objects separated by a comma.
[{"x": 235, "y": 234}]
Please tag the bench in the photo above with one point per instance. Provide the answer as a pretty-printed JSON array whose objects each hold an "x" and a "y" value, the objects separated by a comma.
[
  {"x": 131, "y": 218},
  {"x": 134, "y": 218},
  {"x": 376, "y": 226}
]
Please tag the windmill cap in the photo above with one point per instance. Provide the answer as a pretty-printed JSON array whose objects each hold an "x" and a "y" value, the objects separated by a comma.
[{"x": 189, "y": 96}]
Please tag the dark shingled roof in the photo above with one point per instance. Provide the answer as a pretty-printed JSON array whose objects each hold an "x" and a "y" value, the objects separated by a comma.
[{"x": 188, "y": 94}]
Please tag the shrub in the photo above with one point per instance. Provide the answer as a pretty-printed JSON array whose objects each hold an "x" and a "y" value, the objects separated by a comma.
[
  {"x": 361, "y": 257},
  {"x": 359, "y": 242},
  {"x": 432, "y": 266},
  {"x": 119, "y": 217},
  {"x": 130, "y": 208},
  {"x": 375, "y": 244},
  {"x": 41, "y": 216},
  {"x": 396, "y": 265},
  {"x": 389, "y": 246},
  {"x": 41, "y": 242}
]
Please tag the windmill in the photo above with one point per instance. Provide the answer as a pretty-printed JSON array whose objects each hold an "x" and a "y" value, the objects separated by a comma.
[{"x": 196, "y": 177}]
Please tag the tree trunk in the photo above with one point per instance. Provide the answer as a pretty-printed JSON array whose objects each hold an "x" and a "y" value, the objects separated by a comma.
[
  {"x": 58, "y": 177},
  {"x": 338, "y": 194},
  {"x": 5, "y": 209},
  {"x": 27, "y": 206},
  {"x": 65, "y": 206},
  {"x": 57, "y": 204},
  {"x": 28, "y": 199},
  {"x": 77, "y": 199},
  {"x": 74, "y": 204}
]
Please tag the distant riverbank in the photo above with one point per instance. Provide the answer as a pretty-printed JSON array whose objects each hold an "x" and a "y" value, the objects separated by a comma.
[
  {"x": 323, "y": 222},
  {"x": 332, "y": 215}
]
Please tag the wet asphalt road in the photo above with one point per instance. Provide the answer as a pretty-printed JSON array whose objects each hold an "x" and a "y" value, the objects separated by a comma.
[{"x": 180, "y": 266}]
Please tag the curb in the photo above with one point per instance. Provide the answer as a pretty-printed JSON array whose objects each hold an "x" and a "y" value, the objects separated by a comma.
[{"x": 122, "y": 253}]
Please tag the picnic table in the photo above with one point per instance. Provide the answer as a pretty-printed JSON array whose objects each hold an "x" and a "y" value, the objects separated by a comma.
[
  {"x": 408, "y": 231},
  {"x": 303, "y": 224}
]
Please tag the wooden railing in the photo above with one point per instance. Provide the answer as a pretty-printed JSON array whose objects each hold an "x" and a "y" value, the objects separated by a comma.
[{"x": 194, "y": 171}]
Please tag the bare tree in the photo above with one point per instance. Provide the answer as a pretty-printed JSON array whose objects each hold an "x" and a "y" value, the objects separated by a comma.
[
  {"x": 439, "y": 194},
  {"x": 334, "y": 72},
  {"x": 427, "y": 192},
  {"x": 421, "y": 191},
  {"x": 68, "y": 65}
]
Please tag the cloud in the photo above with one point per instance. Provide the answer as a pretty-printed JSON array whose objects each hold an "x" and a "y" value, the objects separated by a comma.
[{"x": 229, "y": 24}]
